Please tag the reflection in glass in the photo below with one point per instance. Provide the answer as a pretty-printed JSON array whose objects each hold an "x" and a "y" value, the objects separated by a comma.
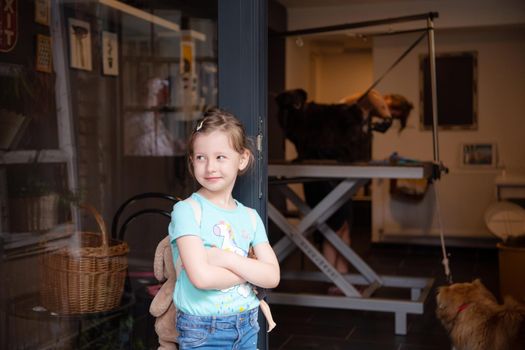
[
  {"x": 173, "y": 82},
  {"x": 96, "y": 103}
]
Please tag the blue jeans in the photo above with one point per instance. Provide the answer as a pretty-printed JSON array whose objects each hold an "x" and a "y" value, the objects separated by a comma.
[{"x": 236, "y": 332}]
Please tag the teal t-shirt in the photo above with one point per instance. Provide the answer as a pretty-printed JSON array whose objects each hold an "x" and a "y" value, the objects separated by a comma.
[{"x": 223, "y": 228}]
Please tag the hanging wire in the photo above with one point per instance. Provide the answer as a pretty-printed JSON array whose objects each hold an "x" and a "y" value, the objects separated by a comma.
[
  {"x": 445, "y": 260},
  {"x": 403, "y": 55}
]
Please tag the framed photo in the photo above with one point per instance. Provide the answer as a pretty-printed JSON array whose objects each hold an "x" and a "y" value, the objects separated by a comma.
[
  {"x": 44, "y": 54},
  {"x": 42, "y": 12},
  {"x": 80, "y": 44},
  {"x": 109, "y": 53},
  {"x": 479, "y": 155}
]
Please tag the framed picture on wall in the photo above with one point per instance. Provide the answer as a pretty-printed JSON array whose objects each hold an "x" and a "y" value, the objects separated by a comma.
[
  {"x": 42, "y": 12},
  {"x": 109, "y": 53},
  {"x": 456, "y": 85},
  {"x": 44, "y": 56},
  {"x": 478, "y": 155},
  {"x": 80, "y": 44}
]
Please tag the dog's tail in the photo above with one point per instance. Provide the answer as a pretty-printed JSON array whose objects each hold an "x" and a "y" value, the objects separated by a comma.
[
  {"x": 508, "y": 325},
  {"x": 512, "y": 304},
  {"x": 512, "y": 315}
]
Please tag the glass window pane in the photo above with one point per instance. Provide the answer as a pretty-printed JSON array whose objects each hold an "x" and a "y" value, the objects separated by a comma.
[{"x": 97, "y": 99}]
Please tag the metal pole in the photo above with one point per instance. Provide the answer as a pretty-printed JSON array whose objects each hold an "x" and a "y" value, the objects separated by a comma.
[
  {"x": 347, "y": 26},
  {"x": 433, "y": 89}
]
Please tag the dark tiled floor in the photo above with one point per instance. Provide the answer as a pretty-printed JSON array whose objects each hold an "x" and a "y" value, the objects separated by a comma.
[{"x": 320, "y": 328}]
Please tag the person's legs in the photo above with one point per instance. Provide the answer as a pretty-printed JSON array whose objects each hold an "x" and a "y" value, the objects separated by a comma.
[
  {"x": 332, "y": 255},
  {"x": 335, "y": 258},
  {"x": 339, "y": 222}
]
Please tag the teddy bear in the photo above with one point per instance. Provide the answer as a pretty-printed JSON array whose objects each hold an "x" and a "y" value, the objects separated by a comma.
[{"x": 162, "y": 306}]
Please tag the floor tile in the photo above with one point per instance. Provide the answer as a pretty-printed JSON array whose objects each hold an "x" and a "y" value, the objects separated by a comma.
[{"x": 301, "y": 327}]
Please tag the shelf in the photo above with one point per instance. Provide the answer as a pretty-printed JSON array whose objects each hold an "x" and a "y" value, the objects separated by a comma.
[
  {"x": 163, "y": 109},
  {"x": 28, "y": 156},
  {"x": 172, "y": 60},
  {"x": 23, "y": 244}
]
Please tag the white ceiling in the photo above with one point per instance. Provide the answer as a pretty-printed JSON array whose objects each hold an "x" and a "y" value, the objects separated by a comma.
[{"x": 333, "y": 40}]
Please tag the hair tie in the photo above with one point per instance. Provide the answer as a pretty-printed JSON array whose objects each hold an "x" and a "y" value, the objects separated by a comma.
[{"x": 199, "y": 126}]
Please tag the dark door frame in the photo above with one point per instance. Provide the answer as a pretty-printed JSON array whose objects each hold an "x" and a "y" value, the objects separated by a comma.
[{"x": 243, "y": 46}]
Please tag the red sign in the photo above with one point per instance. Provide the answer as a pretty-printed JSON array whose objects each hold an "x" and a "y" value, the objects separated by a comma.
[{"x": 8, "y": 24}]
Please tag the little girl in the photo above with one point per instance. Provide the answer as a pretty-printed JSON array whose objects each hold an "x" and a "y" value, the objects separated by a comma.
[{"x": 217, "y": 307}]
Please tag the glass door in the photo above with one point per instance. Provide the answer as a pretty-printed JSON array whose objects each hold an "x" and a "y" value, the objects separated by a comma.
[{"x": 96, "y": 101}]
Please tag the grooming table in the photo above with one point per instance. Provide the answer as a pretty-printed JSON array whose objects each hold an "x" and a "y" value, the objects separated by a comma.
[{"x": 353, "y": 177}]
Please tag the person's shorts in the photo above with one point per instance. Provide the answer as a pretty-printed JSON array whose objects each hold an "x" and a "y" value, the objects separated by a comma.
[{"x": 218, "y": 332}]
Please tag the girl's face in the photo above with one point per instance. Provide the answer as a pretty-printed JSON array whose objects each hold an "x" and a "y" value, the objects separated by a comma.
[{"x": 216, "y": 163}]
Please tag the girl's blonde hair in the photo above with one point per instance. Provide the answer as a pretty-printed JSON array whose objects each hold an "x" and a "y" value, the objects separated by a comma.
[{"x": 216, "y": 119}]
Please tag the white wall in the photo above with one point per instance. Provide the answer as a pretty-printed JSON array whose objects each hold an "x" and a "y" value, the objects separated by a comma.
[
  {"x": 298, "y": 65},
  {"x": 342, "y": 74},
  {"x": 464, "y": 193},
  {"x": 486, "y": 28}
]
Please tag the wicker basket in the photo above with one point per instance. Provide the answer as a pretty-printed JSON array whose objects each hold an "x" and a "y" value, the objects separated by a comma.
[{"x": 87, "y": 275}]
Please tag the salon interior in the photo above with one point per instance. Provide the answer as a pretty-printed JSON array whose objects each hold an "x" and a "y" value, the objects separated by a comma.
[{"x": 399, "y": 117}]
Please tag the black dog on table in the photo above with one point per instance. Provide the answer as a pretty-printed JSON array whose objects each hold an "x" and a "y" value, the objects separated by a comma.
[
  {"x": 327, "y": 131},
  {"x": 340, "y": 132}
]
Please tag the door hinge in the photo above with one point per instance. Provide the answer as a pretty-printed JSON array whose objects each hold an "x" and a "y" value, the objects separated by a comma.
[{"x": 260, "y": 155}]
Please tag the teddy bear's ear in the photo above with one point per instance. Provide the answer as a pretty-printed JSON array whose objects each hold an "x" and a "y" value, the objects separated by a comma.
[
  {"x": 169, "y": 267},
  {"x": 162, "y": 301},
  {"x": 158, "y": 262}
]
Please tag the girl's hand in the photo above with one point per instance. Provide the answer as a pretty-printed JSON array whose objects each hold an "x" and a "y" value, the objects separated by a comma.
[{"x": 262, "y": 271}]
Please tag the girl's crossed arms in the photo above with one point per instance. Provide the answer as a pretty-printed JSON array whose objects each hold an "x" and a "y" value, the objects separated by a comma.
[{"x": 215, "y": 268}]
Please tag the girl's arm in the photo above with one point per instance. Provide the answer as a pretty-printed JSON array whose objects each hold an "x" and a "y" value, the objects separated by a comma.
[
  {"x": 202, "y": 274},
  {"x": 263, "y": 271}
]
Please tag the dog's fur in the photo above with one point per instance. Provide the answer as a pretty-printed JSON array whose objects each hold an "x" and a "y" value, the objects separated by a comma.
[
  {"x": 324, "y": 131},
  {"x": 475, "y": 320}
]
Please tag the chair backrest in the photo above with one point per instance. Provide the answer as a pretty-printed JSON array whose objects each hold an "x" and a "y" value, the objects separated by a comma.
[
  {"x": 119, "y": 233},
  {"x": 118, "y": 229}
]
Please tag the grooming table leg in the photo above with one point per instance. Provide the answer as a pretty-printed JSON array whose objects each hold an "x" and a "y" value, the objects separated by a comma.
[
  {"x": 312, "y": 253},
  {"x": 415, "y": 293},
  {"x": 339, "y": 196},
  {"x": 401, "y": 323},
  {"x": 329, "y": 205}
]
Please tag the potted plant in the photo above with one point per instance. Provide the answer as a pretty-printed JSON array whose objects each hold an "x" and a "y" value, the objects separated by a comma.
[
  {"x": 33, "y": 206},
  {"x": 507, "y": 221},
  {"x": 38, "y": 197}
]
